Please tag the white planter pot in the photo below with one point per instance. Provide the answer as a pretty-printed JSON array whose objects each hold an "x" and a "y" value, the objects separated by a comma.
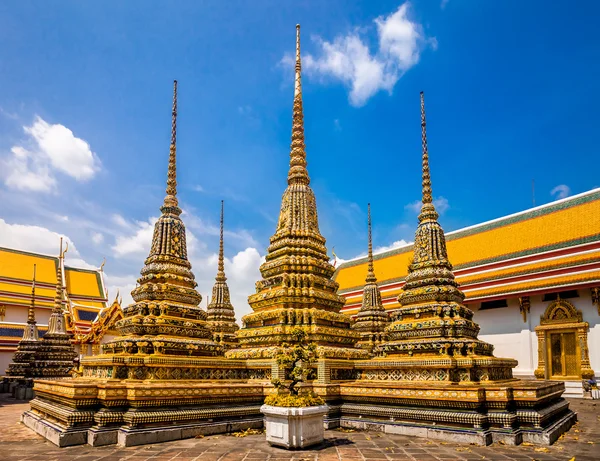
[{"x": 294, "y": 427}]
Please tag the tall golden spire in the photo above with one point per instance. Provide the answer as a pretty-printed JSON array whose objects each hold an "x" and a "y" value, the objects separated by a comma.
[
  {"x": 296, "y": 289},
  {"x": 298, "y": 173},
  {"x": 221, "y": 264},
  {"x": 31, "y": 311},
  {"x": 428, "y": 209},
  {"x": 220, "y": 311},
  {"x": 59, "y": 295},
  {"x": 170, "y": 202},
  {"x": 370, "y": 271}
]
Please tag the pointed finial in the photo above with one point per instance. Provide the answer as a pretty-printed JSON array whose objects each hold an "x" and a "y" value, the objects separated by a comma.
[
  {"x": 298, "y": 65},
  {"x": 58, "y": 297},
  {"x": 370, "y": 271},
  {"x": 221, "y": 267},
  {"x": 428, "y": 209},
  {"x": 31, "y": 312},
  {"x": 298, "y": 173},
  {"x": 171, "y": 197}
]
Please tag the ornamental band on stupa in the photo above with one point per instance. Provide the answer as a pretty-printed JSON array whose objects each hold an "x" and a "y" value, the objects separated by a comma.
[{"x": 175, "y": 371}]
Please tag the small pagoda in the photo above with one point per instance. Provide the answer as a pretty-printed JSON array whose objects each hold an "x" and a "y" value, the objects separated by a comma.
[
  {"x": 220, "y": 311},
  {"x": 372, "y": 318},
  {"x": 23, "y": 363}
]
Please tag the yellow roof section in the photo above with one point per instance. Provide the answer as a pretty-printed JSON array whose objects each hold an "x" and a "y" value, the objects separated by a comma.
[
  {"x": 562, "y": 224},
  {"x": 16, "y": 271}
]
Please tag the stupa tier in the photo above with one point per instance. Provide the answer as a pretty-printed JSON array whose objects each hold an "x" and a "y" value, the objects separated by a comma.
[{"x": 296, "y": 287}]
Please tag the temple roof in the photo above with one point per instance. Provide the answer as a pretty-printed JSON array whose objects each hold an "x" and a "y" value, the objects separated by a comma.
[
  {"x": 84, "y": 287},
  {"x": 538, "y": 250}
]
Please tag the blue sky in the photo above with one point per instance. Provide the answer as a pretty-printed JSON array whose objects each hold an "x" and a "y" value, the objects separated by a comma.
[{"x": 511, "y": 94}]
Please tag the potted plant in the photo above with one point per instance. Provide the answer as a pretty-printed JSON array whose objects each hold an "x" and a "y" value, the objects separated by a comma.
[{"x": 294, "y": 419}]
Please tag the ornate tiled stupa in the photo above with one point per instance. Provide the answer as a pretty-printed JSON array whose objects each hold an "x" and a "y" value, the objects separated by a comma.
[
  {"x": 55, "y": 355},
  {"x": 372, "y": 318},
  {"x": 296, "y": 289},
  {"x": 24, "y": 358},
  {"x": 166, "y": 318},
  {"x": 432, "y": 319},
  {"x": 220, "y": 312},
  {"x": 435, "y": 378}
]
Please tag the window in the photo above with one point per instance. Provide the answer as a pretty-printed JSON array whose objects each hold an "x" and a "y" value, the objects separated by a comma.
[
  {"x": 563, "y": 295},
  {"x": 495, "y": 304}
]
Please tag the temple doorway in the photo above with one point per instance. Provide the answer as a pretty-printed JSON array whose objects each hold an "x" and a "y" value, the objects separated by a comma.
[{"x": 562, "y": 343}]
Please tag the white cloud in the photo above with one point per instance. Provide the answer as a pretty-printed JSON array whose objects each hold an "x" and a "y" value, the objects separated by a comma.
[
  {"x": 25, "y": 171},
  {"x": 97, "y": 238},
  {"x": 441, "y": 205},
  {"x": 137, "y": 244},
  {"x": 561, "y": 191},
  {"x": 50, "y": 149},
  {"x": 444, "y": 4},
  {"x": 396, "y": 244},
  {"x": 198, "y": 188},
  {"x": 348, "y": 57},
  {"x": 337, "y": 125},
  {"x": 38, "y": 239}
]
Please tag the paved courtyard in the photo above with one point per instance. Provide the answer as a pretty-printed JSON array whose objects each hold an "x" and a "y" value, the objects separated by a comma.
[{"x": 582, "y": 443}]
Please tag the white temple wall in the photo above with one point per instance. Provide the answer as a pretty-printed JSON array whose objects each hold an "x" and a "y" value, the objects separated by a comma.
[{"x": 504, "y": 328}]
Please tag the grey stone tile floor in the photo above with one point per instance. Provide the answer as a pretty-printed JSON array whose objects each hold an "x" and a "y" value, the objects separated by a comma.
[{"x": 582, "y": 442}]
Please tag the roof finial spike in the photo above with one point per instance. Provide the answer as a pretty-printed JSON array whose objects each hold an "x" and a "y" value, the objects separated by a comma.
[
  {"x": 221, "y": 266},
  {"x": 370, "y": 271},
  {"x": 428, "y": 209},
  {"x": 171, "y": 197},
  {"x": 298, "y": 173},
  {"x": 31, "y": 312}
]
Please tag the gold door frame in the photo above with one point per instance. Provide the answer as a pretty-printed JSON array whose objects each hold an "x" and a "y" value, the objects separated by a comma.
[{"x": 562, "y": 316}]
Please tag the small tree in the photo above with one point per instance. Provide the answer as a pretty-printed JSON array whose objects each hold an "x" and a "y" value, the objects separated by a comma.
[{"x": 295, "y": 359}]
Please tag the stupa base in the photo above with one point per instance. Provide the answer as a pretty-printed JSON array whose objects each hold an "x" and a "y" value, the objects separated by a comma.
[{"x": 506, "y": 436}]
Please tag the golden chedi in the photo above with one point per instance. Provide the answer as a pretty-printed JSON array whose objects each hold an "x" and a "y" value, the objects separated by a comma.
[
  {"x": 432, "y": 321},
  {"x": 220, "y": 312},
  {"x": 297, "y": 289},
  {"x": 372, "y": 318},
  {"x": 23, "y": 362},
  {"x": 166, "y": 319}
]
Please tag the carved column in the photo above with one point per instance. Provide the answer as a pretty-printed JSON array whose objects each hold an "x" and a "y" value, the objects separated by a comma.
[
  {"x": 596, "y": 298},
  {"x": 540, "y": 371},
  {"x": 586, "y": 367}
]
